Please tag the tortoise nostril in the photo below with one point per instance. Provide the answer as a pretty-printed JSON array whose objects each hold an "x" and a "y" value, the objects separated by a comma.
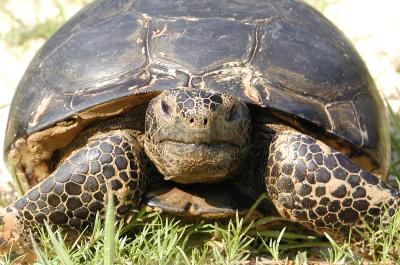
[
  {"x": 165, "y": 107},
  {"x": 233, "y": 114},
  {"x": 191, "y": 120},
  {"x": 205, "y": 121}
]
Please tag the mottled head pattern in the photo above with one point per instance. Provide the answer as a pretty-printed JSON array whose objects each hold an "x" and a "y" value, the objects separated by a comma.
[{"x": 196, "y": 135}]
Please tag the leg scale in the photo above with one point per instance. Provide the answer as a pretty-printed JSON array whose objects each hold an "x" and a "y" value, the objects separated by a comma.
[{"x": 322, "y": 189}]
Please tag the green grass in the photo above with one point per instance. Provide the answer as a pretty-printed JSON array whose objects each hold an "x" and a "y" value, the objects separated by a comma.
[
  {"x": 22, "y": 33},
  {"x": 152, "y": 239},
  {"x": 321, "y": 5}
]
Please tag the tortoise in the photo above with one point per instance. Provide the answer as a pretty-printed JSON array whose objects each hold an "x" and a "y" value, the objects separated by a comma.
[{"x": 196, "y": 108}]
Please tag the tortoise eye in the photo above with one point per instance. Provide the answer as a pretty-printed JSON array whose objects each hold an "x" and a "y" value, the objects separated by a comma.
[
  {"x": 165, "y": 107},
  {"x": 233, "y": 114}
]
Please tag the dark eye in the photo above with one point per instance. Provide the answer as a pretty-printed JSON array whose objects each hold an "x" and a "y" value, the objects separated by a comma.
[
  {"x": 233, "y": 114},
  {"x": 165, "y": 107}
]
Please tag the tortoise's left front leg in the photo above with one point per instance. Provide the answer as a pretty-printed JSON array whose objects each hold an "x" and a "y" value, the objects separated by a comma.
[
  {"x": 75, "y": 192},
  {"x": 322, "y": 189}
]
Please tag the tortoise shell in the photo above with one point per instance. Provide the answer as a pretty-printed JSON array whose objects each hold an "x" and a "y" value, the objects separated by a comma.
[{"x": 279, "y": 55}]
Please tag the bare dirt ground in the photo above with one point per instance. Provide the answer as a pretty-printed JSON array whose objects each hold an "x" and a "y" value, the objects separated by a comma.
[{"x": 372, "y": 25}]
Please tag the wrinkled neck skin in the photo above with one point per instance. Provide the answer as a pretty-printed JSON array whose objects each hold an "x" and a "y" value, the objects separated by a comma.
[
  {"x": 251, "y": 179},
  {"x": 197, "y": 136}
]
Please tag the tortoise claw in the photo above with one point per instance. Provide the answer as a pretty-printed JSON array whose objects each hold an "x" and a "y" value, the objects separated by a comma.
[{"x": 13, "y": 240}]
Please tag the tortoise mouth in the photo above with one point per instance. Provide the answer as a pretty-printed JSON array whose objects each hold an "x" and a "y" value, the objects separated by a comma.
[
  {"x": 199, "y": 144},
  {"x": 195, "y": 162}
]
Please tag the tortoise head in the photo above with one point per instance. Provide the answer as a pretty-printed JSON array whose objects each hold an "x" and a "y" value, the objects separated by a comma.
[{"x": 197, "y": 136}]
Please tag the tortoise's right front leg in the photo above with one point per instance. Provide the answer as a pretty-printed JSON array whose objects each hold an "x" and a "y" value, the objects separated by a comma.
[
  {"x": 73, "y": 194},
  {"x": 322, "y": 189}
]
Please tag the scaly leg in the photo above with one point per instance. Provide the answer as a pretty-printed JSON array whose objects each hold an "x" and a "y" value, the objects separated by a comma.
[
  {"x": 322, "y": 189},
  {"x": 77, "y": 190}
]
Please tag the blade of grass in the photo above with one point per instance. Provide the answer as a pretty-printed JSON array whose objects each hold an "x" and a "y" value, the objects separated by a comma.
[
  {"x": 38, "y": 251},
  {"x": 394, "y": 118},
  {"x": 109, "y": 234},
  {"x": 273, "y": 246},
  {"x": 304, "y": 245},
  {"x": 254, "y": 206},
  {"x": 59, "y": 248},
  {"x": 15, "y": 178},
  {"x": 276, "y": 234},
  {"x": 267, "y": 220}
]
